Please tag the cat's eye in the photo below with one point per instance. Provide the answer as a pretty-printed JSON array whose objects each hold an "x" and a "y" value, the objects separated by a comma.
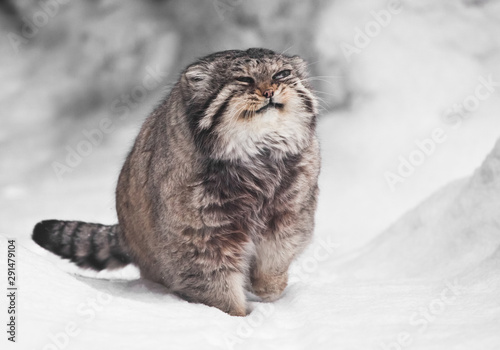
[
  {"x": 247, "y": 80},
  {"x": 282, "y": 74}
]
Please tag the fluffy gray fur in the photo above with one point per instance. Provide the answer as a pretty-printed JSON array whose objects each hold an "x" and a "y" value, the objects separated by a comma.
[{"x": 219, "y": 191}]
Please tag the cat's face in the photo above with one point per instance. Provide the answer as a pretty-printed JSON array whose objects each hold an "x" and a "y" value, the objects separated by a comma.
[{"x": 242, "y": 103}]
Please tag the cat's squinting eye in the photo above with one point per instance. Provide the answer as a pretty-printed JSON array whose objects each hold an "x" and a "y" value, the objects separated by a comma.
[
  {"x": 282, "y": 74},
  {"x": 247, "y": 80}
]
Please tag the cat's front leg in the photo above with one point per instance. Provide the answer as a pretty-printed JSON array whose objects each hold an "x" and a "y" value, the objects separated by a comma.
[
  {"x": 211, "y": 266},
  {"x": 221, "y": 289},
  {"x": 276, "y": 250},
  {"x": 269, "y": 285}
]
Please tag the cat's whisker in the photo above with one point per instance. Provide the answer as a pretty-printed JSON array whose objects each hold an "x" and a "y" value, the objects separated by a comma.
[
  {"x": 318, "y": 79},
  {"x": 320, "y": 102},
  {"x": 316, "y": 91},
  {"x": 240, "y": 109},
  {"x": 283, "y": 52},
  {"x": 308, "y": 64},
  {"x": 312, "y": 90},
  {"x": 324, "y": 93},
  {"x": 325, "y": 76},
  {"x": 317, "y": 97}
]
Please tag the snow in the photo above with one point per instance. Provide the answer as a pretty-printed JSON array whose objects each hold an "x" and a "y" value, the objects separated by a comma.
[{"x": 417, "y": 267}]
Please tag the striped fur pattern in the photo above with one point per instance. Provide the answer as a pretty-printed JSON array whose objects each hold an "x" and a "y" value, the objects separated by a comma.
[
  {"x": 88, "y": 245},
  {"x": 219, "y": 191}
]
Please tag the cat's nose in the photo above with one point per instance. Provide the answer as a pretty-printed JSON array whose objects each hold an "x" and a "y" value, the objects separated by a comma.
[{"x": 268, "y": 93}]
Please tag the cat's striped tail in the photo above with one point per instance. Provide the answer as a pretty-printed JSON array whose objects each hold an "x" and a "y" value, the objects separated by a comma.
[{"x": 88, "y": 245}]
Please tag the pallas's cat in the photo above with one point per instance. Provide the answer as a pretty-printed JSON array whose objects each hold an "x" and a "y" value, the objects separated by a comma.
[{"x": 219, "y": 191}]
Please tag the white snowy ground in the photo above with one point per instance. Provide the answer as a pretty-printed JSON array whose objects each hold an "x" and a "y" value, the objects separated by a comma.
[{"x": 374, "y": 278}]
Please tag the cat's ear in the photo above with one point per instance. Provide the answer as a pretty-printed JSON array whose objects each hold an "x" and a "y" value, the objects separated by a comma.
[
  {"x": 300, "y": 65},
  {"x": 195, "y": 83},
  {"x": 196, "y": 75}
]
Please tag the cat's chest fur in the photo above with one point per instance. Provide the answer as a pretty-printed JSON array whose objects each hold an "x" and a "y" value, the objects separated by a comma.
[{"x": 248, "y": 195}]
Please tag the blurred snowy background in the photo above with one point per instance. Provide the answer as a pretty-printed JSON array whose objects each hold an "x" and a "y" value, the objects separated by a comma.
[{"x": 407, "y": 247}]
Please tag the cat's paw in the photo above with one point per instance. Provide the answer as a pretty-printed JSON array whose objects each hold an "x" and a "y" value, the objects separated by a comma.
[{"x": 269, "y": 287}]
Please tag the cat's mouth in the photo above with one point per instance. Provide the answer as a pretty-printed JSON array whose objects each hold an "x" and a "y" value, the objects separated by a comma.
[{"x": 271, "y": 104}]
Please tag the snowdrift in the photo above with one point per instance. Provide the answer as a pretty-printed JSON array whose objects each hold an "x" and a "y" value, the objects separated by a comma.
[
  {"x": 454, "y": 229},
  {"x": 437, "y": 272}
]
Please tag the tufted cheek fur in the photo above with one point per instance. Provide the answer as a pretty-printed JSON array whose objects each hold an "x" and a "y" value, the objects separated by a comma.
[{"x": 225, "y": 116}]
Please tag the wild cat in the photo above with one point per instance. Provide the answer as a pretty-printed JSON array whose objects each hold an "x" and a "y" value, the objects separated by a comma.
[{"x": 219, "y": 191}]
